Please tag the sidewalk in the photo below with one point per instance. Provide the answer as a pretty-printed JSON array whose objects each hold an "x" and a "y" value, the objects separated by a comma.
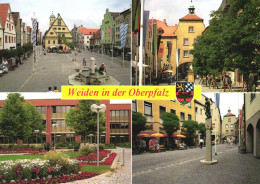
[{"x": 121, "y": 175}]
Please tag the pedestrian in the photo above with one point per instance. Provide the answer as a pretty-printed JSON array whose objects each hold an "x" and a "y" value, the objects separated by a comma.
[
  {"x": 55, "y": 89},
  {"x": 201, "y": 143},
  {"x": 96, "y": 69},
  {"x": 230, "y": 143},
  {"x": 169, "y": 79},
  {"x": 50, "y": 89},
  {"x": 84, "y": 61}
]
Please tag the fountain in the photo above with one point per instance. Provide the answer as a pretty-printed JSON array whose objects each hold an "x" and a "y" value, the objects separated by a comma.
[{"x": 88, "y": 76}]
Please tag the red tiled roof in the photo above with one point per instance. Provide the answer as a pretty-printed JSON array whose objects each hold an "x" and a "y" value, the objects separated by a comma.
[
  {"x": 15, "y": 16},
  {"x": 191, "y": 17},
  {"x": 87, "y": 31},
  {"x": 3, "y": 12},
  {"x": 167, "y": 30},
  {"x": 229, "y": 114}
]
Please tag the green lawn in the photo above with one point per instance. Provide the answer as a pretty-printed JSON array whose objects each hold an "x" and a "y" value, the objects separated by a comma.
[
  {"x": 15, "y": 157},
  {"x": 92, "y": 168}
]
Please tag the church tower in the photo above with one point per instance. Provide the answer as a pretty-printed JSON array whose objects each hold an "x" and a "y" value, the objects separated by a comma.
[{"x": 52, "y": 19}]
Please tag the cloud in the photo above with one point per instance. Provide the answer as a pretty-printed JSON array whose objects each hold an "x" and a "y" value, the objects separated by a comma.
[
  {"x": 172, "y": 11},
  {"x": 80, "y": 12}
]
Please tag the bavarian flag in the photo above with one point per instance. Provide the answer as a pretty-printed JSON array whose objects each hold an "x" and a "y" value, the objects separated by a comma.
[{"x": 136, "y": 15}]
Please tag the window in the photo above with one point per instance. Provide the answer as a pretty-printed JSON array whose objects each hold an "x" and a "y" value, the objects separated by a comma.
[
  {"x": 226, "y": 125},
  {"x": 182, "y": 116},
  {"x": 63, "y": 35},
  {"x": 196, "y": 110},
  {"x": 9, "y": 39},
  {"x": 54, "y": 28},
  {"x": 186, "y": 41},
  {"x": 58, "y": 28},
  {"x": 134, "y": 106},
  {"x": 63, "y": 28},
  {"x": 162, "y": 110},
  {"x": 51, "y": 33},
  {"x": 53, "y": 109},
  {"x": 148, "y": 107},
  {"x": 186, "y": 54},
  {"x": 53, "y": 41},
  {"x": 49, "y": 42},
  {"x": 200, "y": 111},
  {"x": 173, "y": 111},
  {"x": 6, "y": 40},
  {"x": 119, "y": 121},
  {"x": 190, "y": 104},
  {"x": 227, "y": 131},
  {"x": 231, "y": 126},
  {"x": 189, "y": 117},
  {"x": 229, "y": 119},
  {"x": 191, "y": 29},
  {"x": 231, "y": 131},
  {"x": 59, "y": 22}
]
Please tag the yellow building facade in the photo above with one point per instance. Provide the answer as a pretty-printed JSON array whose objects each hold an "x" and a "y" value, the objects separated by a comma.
[
  {"x": 153, "y": 109},
  {"x": 58, "y": 33}
]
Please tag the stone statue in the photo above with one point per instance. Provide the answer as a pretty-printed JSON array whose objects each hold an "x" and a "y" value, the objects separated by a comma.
[{"x": 207, "y": 108}]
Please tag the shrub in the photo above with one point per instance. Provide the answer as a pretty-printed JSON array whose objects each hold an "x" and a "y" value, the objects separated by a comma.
[
  {"x": 76, "y": 146},
  {"x": 101, "y": 146},
  {"x": 85, "y": 150},
  {"x": 47, "y": 146},
  {"x": 110, "y": 146},
  {"x": 124, "y": 145},
  {"x": 39, "y": 147},
  {"x": 56, "y": 158},
  {"x": 61, "y": 145}
]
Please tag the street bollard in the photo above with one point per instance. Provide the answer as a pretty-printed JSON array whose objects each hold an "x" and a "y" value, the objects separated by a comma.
[{"x": 123, "y": 157}]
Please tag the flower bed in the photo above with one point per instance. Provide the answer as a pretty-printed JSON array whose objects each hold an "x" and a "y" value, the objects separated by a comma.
[
  {"x": 93, "y": 157},
  {"x": 60, "y": 179},
  {"x": 21, "y": 150},
  {"x": 108, "y": 161},
  {"x": 26, "y": 169}
]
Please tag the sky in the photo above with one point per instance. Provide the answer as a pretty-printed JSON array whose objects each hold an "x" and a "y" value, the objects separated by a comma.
[
  {"x": 234, "y": 101},
  {"x": 88, "y": 13},
  {"x": 173, "y": 10}
]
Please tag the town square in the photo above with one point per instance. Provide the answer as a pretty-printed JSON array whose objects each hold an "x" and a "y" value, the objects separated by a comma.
[{"x": 51, "y": 47}]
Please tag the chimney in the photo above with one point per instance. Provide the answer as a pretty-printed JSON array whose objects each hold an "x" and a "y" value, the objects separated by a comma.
[{"x": 164, "y": 21}]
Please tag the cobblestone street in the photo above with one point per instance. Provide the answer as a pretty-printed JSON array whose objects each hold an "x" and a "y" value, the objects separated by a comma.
[
  {"x": 53, "y": 70},
  {"x": 184, "y": 166}
]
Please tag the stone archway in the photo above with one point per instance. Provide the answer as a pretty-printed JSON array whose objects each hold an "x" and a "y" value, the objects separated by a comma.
[
  {"x": 257, "y": 140},
  {"x": 250, "y": 139}
]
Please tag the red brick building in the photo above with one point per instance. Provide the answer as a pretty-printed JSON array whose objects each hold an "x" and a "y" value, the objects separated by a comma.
[{"x": 118, "y": 121}]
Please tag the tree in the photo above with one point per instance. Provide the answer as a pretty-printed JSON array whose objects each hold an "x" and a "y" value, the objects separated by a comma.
[
  {"x": 138, "y": 123},
  {"x": 191, "y": 127},
  {"x": 13, "y": 118},
  {"x": 202, "y": 129},
  {"x": 171, "y": 123},
  {"x": 34, "y": 119},
  {"x": 231, "y": 41},
  {"x": 83, "y": 121}
]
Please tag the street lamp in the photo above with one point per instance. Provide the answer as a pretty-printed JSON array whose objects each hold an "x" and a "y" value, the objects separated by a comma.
[
  {"x": 36, "y": 132},
  {"x": 97, "y": 109},
  {"x": 54, "y": 125}
]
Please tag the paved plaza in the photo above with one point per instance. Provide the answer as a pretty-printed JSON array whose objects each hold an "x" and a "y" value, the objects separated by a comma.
[
  {"x": 53, "y": 70},
  {"x": 184, "y": 167}
]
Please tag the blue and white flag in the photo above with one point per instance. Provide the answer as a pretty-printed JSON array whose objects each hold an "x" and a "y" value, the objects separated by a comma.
[
  {"x": 123, "y": 32},
  {"x": 217, "y": 97},
  {"x": 34, "y": 32},
  {"x": 146, "y": 19}
]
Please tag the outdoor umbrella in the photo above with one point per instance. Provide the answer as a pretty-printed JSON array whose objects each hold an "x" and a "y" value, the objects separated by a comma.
[
  {"x": 168, "y": 71},
  {"x": 157, "y": 135},
  {"x": 143, "y": 135}
]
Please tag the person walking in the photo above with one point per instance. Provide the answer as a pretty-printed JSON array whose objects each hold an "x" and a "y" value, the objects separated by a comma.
[
  {"x": 201, "y": 143},
  {"x": 55, "y": 89},
  {"x": 84, "y": 61}
]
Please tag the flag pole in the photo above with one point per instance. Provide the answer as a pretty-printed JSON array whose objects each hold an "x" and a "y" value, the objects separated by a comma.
[
  {"x": 123, "y": 57},
  {"x": 136, "y": 57},
  {"x": 239, "y": 122},
  {"x": 151, "y": 54},
  {"x": 34, "y": 53},
  {"x": 141, "y": 45}
]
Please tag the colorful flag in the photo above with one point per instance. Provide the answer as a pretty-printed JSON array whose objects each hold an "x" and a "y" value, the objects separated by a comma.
[
  {"x": 112, "y": 34},
  {"x": 146, "y": 19},
  {"x": 169, "y": 51},
  {"x": 178, "y": 51},
  {"x": 34, "y": 32},
  {"x": 155, "y": 37},
  {"x": 217, "y": 98},
  {"x": 123, "y": 32},
  {"x": 136, "y": 10}
]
